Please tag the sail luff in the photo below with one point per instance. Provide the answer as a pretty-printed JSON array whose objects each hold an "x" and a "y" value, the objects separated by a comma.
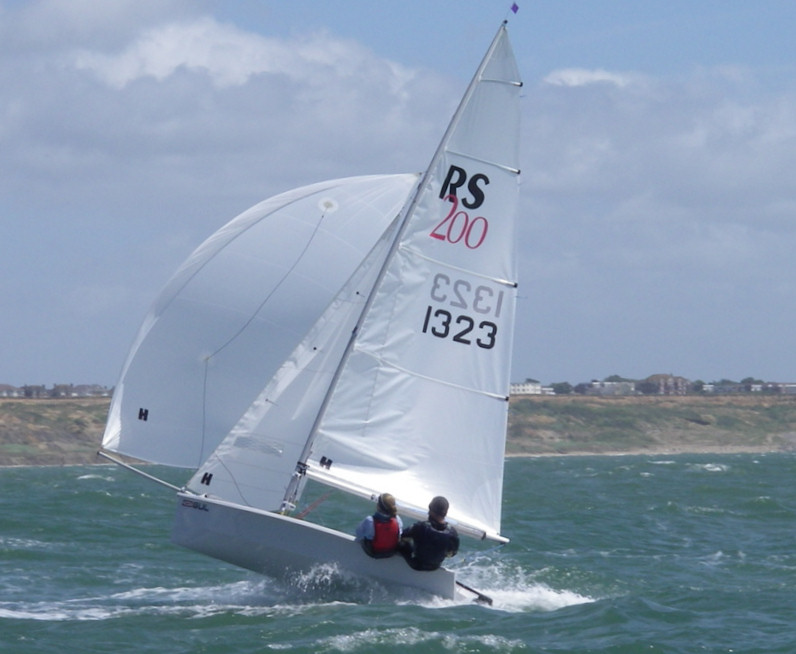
[{"x": 295, "y": 484}]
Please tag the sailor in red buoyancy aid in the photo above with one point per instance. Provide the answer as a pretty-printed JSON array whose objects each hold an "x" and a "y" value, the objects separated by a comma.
[{"x": 379, "y": 533}]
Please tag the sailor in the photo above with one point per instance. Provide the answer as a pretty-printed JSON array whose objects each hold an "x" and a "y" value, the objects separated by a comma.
[
  {"x": 425, "y": 545},
  {"x": 378, "y": 533}
]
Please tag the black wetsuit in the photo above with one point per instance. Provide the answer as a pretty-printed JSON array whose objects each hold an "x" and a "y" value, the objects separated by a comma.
[{"x": 432, "y": 542}]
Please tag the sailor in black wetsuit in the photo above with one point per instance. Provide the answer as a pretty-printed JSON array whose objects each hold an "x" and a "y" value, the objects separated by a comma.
[{"x": 425, "y": 545}]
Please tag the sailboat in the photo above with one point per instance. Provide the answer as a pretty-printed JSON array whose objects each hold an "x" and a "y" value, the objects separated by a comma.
[{"x": 356, "y": 333}]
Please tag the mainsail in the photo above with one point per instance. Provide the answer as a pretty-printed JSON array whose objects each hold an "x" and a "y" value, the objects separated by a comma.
[
  {"x": 415, "y": 402},
  {"x": 420, "y": 407}
]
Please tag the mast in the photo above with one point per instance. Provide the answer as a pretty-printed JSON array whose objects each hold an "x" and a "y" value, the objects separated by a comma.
[{"x": 298, "y": 477}]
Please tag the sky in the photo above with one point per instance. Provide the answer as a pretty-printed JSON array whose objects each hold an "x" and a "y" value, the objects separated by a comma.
[{"x": 657, "y": 220}]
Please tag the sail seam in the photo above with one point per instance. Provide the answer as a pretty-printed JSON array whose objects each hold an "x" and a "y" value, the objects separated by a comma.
[
  {"x": 385, "y": 364},
  {"x": 509, "y": 169},
  {"x": 449, "y": 266}
]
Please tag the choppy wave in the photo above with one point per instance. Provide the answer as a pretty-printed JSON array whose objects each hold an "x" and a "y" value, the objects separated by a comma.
[{"x": 638, "y": 554}]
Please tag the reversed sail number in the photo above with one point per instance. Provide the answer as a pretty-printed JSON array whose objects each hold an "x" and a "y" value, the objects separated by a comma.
[
  {"x": 462, "y": 329},
  {"x": 460, "y": 294}
]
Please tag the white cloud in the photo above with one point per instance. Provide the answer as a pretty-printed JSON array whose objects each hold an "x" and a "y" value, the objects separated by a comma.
[
  {"x": 230, "y": 56},
  {"x": 127, "y": 135},
  {"x": 584, "y": 77}
]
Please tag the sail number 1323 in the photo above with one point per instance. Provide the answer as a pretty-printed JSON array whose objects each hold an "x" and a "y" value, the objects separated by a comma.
[{"x": 459, "y": 325}]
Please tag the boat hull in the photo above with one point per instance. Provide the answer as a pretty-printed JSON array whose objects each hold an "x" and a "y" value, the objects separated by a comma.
[{"x": 286, "y": 548}]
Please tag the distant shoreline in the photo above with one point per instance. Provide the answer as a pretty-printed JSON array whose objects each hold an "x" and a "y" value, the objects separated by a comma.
[
  {"x": 656, "y": 452},
  {"x": 655, "y": 425},
  {"x": 509, "y": 456},
  {"x": 58, "y": 432}
]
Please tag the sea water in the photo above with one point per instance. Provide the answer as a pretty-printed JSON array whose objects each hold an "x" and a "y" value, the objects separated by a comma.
[{"x": 687, "y": 553}]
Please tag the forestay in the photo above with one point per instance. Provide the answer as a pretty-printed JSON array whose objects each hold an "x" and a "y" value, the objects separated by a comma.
[{"x": 253, "y": 464}]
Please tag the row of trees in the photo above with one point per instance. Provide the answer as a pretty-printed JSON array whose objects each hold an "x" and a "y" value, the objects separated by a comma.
[
  {"x": 57, "y": 391},
  {"x": 656, "y": 384}
]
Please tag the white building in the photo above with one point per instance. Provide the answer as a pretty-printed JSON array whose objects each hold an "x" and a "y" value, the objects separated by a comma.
[{"x": 530, "y": 387}]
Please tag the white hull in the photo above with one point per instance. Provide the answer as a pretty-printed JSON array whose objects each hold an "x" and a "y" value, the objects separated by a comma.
[{"x": 282, "y": 547}]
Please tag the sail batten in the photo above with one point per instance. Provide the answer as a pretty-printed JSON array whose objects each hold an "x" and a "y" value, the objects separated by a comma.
[
  {"x": 510, "y": 169},
  {"x": 495, "y": 80},
  {"x": 443, "y": 264}
]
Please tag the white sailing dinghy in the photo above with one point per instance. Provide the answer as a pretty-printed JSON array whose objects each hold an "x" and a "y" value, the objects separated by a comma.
[{"x": 355, "y": 332}]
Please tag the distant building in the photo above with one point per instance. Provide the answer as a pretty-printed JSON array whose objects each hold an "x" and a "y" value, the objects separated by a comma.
[
  {"x": 10, "y": 391},
  {"x": 785, "y": 388},
  {"x": 36, "y": 391},
  {"x": 669, "y": 384},
  {"x": 530, "y": 387},
  {"x": 724, "y": 388},
  {"x": 612, "y": 388},
  {"x": 91, "y": 390},
  {"x": 58, "y": 391}
]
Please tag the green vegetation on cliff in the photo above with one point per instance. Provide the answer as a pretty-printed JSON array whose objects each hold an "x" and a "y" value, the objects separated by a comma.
[
  {"x": 51, "y": 432},
  {"x": 613, "y": 425},
  {"x": 67, "y": 431}
]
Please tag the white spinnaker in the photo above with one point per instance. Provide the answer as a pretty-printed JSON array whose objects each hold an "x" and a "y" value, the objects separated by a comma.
[
  {"x": 236, "y": 309},
  {"x": 420, "y": 406}
]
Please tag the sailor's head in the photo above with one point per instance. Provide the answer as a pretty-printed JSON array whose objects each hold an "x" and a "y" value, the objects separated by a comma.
[
  {"x": 386, "y": 505},
  {"x": 438, "y": 508}
]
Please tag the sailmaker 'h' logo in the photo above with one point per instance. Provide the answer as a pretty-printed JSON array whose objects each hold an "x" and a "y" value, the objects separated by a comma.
[{"x": 143, "y": 414}]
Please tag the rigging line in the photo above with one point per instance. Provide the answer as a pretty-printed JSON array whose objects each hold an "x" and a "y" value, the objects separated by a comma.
[
  {"x": 204, "y": 414},
  {"x": 234, "y": 481},
  {"x": 287, "y": 273},
  {"x": 127, "y": 466},
  {"x": 231, "y": 239},
  {"x": 251, "y": 318},
  {"x": 314, "y": 505}
]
